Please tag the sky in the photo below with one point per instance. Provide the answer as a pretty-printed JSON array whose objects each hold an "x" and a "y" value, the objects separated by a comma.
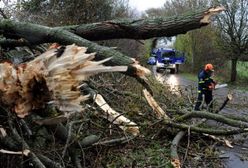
[{"x": 142, "y": 5}]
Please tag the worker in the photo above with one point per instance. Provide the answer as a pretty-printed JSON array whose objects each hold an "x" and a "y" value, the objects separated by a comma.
[{"x": 206, "y": 86}]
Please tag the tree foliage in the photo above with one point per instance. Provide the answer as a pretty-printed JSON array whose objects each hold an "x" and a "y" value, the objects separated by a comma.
[
  {"x": 57, "y": 12},
  {"x": 225, "y": 40},
  {"x": 199, "y": 45},
  {"x": 233, "y": 29},
  {"x": 200, "y": 48}
]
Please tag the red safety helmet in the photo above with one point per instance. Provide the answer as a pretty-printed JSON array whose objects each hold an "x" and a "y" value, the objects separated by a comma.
[{"x": 209, "y": 67}]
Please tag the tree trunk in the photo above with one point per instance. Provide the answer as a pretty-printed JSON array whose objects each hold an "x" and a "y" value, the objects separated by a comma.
[
  {"x": 135, "y": 29},
  {"x": 234, "y": 70},
  {"x": 43, "y": 34},
  {"x": 145, "y": 28},
  {"x": 154, "y": 43},
  {"x": 114, "y": 29},
  {"x": 193, "y": 48}
]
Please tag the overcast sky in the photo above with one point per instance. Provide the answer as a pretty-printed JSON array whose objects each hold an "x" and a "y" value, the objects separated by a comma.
[{"x": 142, "y": 5}]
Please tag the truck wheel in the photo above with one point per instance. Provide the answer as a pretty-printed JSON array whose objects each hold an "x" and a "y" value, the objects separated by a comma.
[
  {"x": 177, "y": 68},
  {"x": 172, "y": 71}
]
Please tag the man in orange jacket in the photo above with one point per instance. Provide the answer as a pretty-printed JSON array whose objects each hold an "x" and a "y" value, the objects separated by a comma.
[{"x": 206, "y": 86}]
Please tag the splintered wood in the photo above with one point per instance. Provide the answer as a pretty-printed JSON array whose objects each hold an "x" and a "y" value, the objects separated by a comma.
[
  {"x": 210, "y": 13},
  {"x": 115, "y": 117},
  {"x": 54, "y": 77},
  {"x": 51, "y": 77},
  {"x": 160, "y": 113}
]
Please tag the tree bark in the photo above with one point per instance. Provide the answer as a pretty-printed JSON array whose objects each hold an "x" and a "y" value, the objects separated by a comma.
[
  {"x": 234, "y": 70},
  {"x": 113, "y": 29},
  {"x": 216, "y": 117},
  {"x": 136, "y": 29},
  {"x": 43, "y": 34},
  {"x": 175, "y": 160},
  {"x": 7, "y": 43},
  {"x": 145, "y": 28},
  {"x": 48, "y": 162},
  {"x": 204, "y": 130}
]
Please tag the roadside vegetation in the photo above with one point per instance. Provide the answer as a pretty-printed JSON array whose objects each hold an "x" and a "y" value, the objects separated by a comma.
[
  {"x": 242, "y": 69},
  {"x": 222, "y": 76}
]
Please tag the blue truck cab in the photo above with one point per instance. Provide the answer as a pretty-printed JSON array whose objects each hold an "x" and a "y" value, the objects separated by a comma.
[{"x": 166, "y": 59}]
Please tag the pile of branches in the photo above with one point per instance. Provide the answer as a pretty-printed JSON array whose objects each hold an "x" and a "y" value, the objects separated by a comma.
[{"x": 48, "y": 103}]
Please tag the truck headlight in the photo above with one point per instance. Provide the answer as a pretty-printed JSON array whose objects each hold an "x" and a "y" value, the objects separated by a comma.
[{"x": 160, "y": 64}]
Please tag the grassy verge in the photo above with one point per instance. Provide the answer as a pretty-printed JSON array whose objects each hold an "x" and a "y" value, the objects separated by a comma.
[
  {"x": 242, "y": 69},
  {"x": 224, "y": 76},
  {"x": 190, "y": 76},
  {"x": 242, "y": 76}
]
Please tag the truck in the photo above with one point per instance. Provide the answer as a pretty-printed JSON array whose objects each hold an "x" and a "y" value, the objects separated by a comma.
[{"x": 166, "y": 59}]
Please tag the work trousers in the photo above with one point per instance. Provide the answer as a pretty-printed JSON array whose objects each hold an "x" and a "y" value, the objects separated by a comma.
[{"x": 208, "y": 99}]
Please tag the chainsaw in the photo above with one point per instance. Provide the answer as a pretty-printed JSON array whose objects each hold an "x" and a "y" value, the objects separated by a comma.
[{"x": 219, "y": 86}]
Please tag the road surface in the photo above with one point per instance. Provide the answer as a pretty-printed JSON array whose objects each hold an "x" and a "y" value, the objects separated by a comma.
[{"x": 235, "y": 157}]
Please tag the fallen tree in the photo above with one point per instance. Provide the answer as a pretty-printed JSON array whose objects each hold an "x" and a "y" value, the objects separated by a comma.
[
  {"x": 57, "y": 78},
  {"x": 144, "y": 28}
]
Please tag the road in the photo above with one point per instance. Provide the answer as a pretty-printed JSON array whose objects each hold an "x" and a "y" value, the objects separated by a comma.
[{"x": 237, "y": 156}]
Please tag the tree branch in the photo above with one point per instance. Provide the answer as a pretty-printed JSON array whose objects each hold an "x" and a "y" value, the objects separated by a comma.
[
  {"x": 43, "y": 34},
  {"x": 13, "y": 43},
  {"x": 216, "y": 117},
  {"x": 204, "y": 130},
  {"x": 145, "y": 28}
]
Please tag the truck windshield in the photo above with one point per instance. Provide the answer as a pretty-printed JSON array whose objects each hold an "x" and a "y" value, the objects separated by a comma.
[
  {"x": 169, "y": 54},
  {"x": 172, "y": 54}
]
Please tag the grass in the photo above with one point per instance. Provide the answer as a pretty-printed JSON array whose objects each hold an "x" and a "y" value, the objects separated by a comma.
[
  {"x": 242, "y": 69},
  {"x": 242, "y": 76},
  {"x": 224, "y": 76},
  {"x": 190, "y": 76},
  {"x": 152, "y": 154}
]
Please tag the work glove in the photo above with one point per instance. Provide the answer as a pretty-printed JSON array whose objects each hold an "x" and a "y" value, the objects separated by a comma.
[{"x": 212, "y": 86}]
